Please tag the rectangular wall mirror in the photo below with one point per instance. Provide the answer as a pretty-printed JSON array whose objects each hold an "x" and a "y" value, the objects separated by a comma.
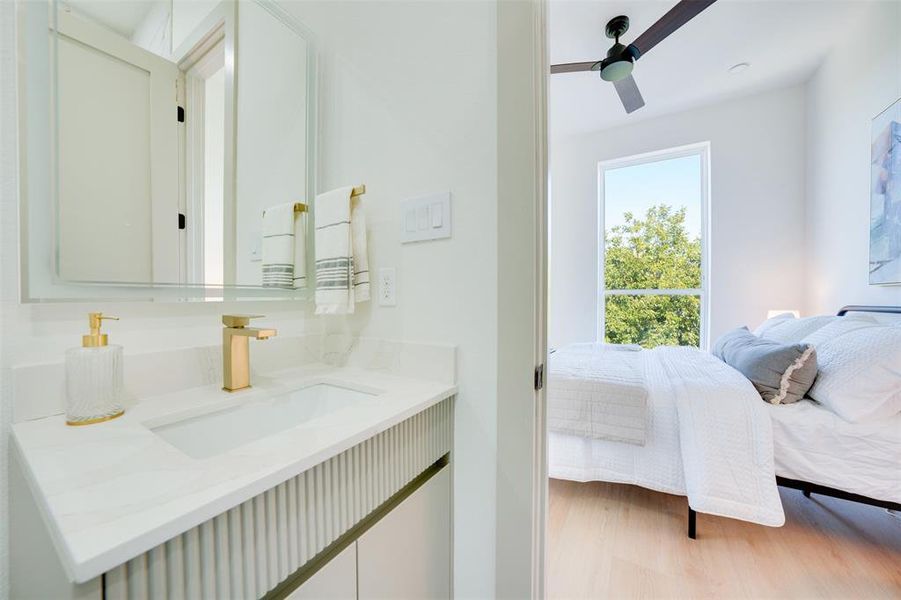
[{"x": 175, "y": 125}]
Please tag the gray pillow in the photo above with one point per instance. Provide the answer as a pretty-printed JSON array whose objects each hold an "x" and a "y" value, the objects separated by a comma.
[{"x": 781, "y": 373}]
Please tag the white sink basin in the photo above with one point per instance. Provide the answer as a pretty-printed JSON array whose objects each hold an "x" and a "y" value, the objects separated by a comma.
[{"x": 202, "y": 436}]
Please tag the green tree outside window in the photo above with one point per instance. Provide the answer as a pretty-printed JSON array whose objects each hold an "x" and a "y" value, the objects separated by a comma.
[{"x": 652, "y": 252}]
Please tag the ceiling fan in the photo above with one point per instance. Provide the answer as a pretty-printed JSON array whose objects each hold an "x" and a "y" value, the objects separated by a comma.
[{"x": 617, "y": 66}]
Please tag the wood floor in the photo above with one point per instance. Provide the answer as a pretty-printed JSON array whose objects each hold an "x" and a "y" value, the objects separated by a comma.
[{"x": 620, "y": 541}]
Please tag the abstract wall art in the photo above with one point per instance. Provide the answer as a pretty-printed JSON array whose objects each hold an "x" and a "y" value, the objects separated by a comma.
[{"x": 885, "y": 197}]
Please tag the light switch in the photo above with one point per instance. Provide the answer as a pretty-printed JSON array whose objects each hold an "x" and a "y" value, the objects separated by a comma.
[
  {"x": 387, "y": 286},
  {"x": 437, "y": 220},
  {"x": 430, "y": 215},
  {"x": 422, "y": 217}
]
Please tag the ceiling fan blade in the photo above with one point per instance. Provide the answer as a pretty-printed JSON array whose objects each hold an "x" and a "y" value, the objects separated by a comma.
[
  {"x": 677, "y": 16},
  {"x": 629, "y": 94},
  {"x": 572, "y": 67}
]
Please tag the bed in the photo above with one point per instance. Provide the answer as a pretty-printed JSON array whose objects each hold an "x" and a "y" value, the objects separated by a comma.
[
  {"x": 867, "y": 468},
  {"x": 803, "y": 446},
  {"x": 806, "y": 436}
]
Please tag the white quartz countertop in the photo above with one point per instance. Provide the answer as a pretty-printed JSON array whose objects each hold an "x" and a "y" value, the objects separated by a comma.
[{"x": 114, "y": 490}]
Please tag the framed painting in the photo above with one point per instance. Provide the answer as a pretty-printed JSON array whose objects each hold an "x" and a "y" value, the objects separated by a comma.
[{"x": 885, "y": 197}]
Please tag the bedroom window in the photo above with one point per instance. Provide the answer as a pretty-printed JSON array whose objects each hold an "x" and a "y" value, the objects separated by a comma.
[{"x": 653, "y": 248}]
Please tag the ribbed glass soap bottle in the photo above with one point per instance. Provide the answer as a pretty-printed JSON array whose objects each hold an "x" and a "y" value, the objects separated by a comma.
[{"x": 94, "y": 387}]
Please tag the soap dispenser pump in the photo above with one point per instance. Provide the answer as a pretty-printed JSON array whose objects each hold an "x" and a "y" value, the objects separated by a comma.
[{"x": 94, "y": 377}]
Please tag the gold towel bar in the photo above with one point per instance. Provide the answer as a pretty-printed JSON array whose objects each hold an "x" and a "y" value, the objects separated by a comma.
[{"x": 358, "y": 190}]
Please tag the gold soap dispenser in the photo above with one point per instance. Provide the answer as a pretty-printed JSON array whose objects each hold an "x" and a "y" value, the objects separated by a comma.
[{"x": 94, "y": 388}]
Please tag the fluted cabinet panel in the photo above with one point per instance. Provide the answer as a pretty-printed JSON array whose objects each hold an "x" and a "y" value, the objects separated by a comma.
[{"x": 249, "y": 550}]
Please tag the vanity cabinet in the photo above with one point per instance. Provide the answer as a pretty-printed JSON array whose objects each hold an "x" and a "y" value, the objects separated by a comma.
[
  {"x": 371, "y": 521},
  {"x": 337, "y": 580},
  {"x": 405, "y": 555},
  {"x": 408, "y": 553}
]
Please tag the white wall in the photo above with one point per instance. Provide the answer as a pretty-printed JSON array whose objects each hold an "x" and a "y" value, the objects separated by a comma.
[
  {"x": 842, "y": 99},
  {"x": 213, "y": 180},
  {"x": 408, "y": 106},
  {"x": 756, "y": 216}
]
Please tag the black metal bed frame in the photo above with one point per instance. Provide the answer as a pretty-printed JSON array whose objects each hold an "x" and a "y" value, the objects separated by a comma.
[{"x": 806, "y": 487}]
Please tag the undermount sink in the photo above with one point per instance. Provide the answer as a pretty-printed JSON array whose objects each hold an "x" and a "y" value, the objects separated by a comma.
[{"x": 206, "y": 435}]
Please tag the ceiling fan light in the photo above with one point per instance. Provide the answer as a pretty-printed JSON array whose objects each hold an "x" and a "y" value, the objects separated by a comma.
[{"x": 616, "y": 70}]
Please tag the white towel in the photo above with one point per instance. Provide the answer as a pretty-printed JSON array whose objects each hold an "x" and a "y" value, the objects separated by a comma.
[
  {"x": 284, "y": 248},
  {"x": 361, "y": 256},
  {"x": 342, "y": 264}
]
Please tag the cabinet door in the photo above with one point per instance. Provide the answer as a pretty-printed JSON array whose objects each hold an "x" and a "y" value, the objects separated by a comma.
[
  {"x": 335, "y": 581},
  {"x": 408, "y": 553}
]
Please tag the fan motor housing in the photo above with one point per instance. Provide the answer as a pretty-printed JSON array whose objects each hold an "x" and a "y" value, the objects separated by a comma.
[{"x": 618, "y": 64}]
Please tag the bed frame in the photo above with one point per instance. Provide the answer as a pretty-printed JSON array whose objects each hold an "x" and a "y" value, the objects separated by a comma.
[{"x": 806, "y": 487}]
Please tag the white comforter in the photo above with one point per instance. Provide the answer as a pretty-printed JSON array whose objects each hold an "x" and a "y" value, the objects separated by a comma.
[
  {"x": 709, "y": 438},
  {"x": 598, "y": 391}
]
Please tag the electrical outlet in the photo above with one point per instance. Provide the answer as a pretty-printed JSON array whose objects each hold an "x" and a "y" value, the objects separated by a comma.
[
  {"x": 387, "y": 286},
  {"x": 256, "y": 249}
]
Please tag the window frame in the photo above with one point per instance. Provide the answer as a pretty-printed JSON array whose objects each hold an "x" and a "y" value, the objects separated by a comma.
[{"x": 701, "y": 150}]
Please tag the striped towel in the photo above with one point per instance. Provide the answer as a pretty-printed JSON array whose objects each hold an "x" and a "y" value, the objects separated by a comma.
[
  {"x": 284, "y": 248},
  {"x": 342, "y": 264}
]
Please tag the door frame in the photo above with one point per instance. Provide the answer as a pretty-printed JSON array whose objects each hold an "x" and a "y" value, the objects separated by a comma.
[
  {"x": 216, "y": 33},
  {"x": 197, "y": 67},
  {"x": 522, "y": 210},
  {"x": 541, "y": 64}
]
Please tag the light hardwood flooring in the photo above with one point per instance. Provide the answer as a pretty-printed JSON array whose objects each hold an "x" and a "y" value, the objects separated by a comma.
[{"x": 621, "y": 541}]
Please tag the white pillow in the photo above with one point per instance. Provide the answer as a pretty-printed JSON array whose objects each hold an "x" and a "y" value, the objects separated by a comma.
[
  {"x": 771, "y": 322},
  {"x": 859, "y": 370},
  {"x": 792, "y": 331},
  {"x": 839, "y": 326}
]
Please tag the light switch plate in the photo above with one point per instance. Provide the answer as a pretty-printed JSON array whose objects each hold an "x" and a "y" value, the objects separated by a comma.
[
  {"x": 387, "y": 286},
  {"x": 425, "y": 218}
]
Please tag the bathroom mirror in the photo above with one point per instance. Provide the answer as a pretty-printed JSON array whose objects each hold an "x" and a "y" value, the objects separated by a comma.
[{"x": 176, "y": 124}]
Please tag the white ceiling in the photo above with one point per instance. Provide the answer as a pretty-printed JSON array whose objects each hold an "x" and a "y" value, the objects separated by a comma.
[
  {"x": 122, "y": 16},
  {"x": 784, "y": 40}
]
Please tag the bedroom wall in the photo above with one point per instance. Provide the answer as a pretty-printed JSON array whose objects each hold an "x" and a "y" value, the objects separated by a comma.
[
  {"x": 756, "y": 217},
  {"x": 842, "y": 98}
]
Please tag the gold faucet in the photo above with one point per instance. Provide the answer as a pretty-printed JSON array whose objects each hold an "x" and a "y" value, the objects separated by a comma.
[{"x": 236, "y": 350}]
